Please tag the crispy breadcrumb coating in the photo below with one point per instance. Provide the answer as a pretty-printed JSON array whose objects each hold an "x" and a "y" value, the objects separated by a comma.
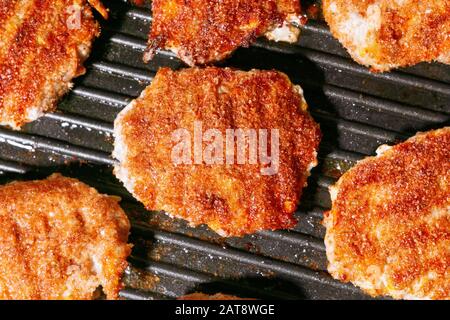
[
  {"x": 204, "y": 31},
  {"x": 60, "y": 239},
  {"x": 43, "y": 45},
  {"x": 385, "y": 34},
  {"x": 232, "y": 199},
  {"x": 388, "y": 230}
]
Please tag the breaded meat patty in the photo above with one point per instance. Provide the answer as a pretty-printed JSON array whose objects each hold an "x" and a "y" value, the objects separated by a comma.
[
  {"x": 388, "y": 231},
  {"x": 204, "y": 31},
  {"x": 43, "y": 44},
  {"x": 386, "y": 34},
  {"x": 60, "y": 239},
  {"x": 181, "y": 150}
]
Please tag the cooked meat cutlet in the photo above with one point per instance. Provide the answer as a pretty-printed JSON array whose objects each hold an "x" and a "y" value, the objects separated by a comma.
[
  {"x": 201, "y": 296},
  {"x": 200, "y": 31},
  {"x": 232, "y": 199},
  {"x": 388, "y": 231},
  {"x": 385, "y": 34},
  {"x": 60, "y": 239},
  {"x": 43, "y": 45}
]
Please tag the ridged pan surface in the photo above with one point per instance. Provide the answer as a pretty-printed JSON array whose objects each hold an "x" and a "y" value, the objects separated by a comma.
[{"x": 357, "y": 111}]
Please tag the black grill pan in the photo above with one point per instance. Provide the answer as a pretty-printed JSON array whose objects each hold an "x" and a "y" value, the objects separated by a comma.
[{"x": 357, "y": 111}]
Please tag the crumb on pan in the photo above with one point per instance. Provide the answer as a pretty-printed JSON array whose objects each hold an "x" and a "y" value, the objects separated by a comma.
[{"x": 202, "y": 296}]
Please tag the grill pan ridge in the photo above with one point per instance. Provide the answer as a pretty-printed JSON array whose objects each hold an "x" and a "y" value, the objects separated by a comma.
[{"x": 357, "y": 111}]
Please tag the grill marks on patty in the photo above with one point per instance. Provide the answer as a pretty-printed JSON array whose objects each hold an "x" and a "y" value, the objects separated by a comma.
[
  {"x": 233, "y": 199},
  {"x": 60, "y": 239}
]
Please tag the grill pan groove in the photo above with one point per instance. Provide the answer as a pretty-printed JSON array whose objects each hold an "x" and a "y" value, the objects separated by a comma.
[{"x": 357, "y": 111}]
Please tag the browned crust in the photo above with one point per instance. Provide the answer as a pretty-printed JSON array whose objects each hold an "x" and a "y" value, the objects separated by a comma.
[
  {"x": 413, "y": 32},
  {"x": 48, "y": 230},
  {"x": 205, "y": 31},
  {"x": 385, "y": 220},
  {"x": 40, "y": 54},
  {"x": 234, "y": 199},
  {"x": 98, "y": 5}
]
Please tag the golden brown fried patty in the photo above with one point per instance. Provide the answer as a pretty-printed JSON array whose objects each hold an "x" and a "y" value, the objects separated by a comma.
[
  {"x": 233, "y": 199},
  {"x": 389, "y": 228},
  {"x": 43, "y": 44},
  {"x": 202, "y": 296},
  {"x": 386, "y": 34},
  {"x": 203, "y": 31},
  {"x": 60, "y": 239}
]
